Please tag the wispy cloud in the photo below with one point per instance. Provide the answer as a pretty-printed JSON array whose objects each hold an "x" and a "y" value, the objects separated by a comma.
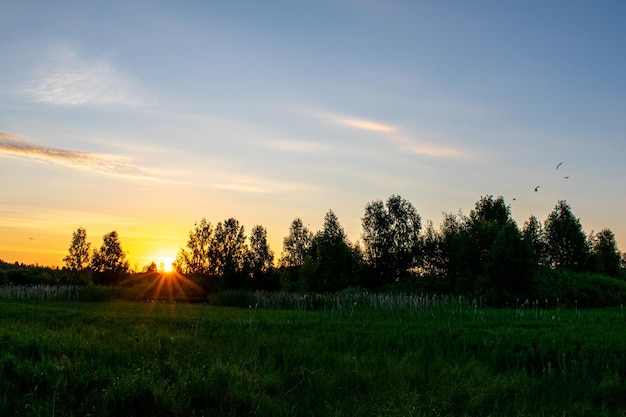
[
  {"x": 417, "y": 143},
  {"x": 16, "y": 146},
  {"x": 426, "y": 146},
  {"x": 65, "y": 78},
  {"x": 368, "y": 125}
]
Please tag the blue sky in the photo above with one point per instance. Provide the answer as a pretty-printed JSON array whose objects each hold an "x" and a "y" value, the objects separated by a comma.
[{"x": 145, "y": 116}]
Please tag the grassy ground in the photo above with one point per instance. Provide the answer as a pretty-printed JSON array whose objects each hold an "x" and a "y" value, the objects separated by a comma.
[{"x": 146, "y": 359}]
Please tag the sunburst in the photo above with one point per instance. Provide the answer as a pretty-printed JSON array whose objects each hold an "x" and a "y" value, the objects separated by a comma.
[{"x": 170, "y": 286}]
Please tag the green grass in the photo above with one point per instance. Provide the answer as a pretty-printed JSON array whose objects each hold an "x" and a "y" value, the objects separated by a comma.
[{"x": 446, "y": 359}]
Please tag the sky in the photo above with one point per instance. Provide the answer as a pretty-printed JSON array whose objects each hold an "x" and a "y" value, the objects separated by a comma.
[{"x": 144, "y": 117}]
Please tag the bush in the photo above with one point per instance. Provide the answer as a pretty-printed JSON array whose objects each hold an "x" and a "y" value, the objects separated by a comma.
[{"x": 584, "y": 289}]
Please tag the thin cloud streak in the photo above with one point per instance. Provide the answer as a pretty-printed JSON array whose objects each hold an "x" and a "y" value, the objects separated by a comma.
[
  {"x": 413, "y": 146},
  {"x": 368, "y": 125},
  {"x": 66, "y": 79},
  {"x": 392, "y": 134},
  {"x": 15, "y": 146}
]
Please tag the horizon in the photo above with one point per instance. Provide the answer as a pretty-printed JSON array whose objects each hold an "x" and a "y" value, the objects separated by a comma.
[{"x": 144, "y": 118}]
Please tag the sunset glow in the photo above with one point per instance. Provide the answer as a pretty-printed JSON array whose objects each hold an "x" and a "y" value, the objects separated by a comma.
[
  {"x": 165, "y": 265},
  {"x": 265, "y": 113}
]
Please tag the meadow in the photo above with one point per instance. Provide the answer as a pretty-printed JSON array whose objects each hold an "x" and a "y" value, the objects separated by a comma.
[{"x": 352, "y": 354}]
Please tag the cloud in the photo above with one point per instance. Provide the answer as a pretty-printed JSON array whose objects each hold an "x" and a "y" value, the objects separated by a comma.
[
  {"x": 65, "y": 78},
  {"x": 427, "y": 145},
  {"x": 16, "y": 146},
  {"x": 426, "y": 148},
  {"x": 368, "y": 125}
]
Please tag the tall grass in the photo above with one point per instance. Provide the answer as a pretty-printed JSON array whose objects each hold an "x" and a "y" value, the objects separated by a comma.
[
  {"x": 447, "y": 357},
  {"x": 57, "y": 293}
]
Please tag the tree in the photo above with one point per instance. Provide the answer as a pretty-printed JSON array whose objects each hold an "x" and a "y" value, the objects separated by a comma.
[
  {"x": 391, "y": 238},
  {"x": 431, "y": 244},
  {"x": 330, "y": 265},
  {"x": 532, "y": 233},
  {"x": 605, "y": 257},
  {"x": 260, "y": 259},
  {"x": 510, "y": 265},
  {"x": 109, "y": 262},
  {"x": 196, "y": 258},
  {"x": 449, "y": 232},
  {"x": 261, "y": 255},
  {"x": 471, "y": 246},
  {"x": 484, "y": 223},
  {"x": 566, "y": 244},
  {"x": 77, "y": 259},
  {"x": 296, "y": 245},
  {"x": 150, "y": 268},
  {"x": 491, "y": 210},
  {"x": 231, "y": 252}
]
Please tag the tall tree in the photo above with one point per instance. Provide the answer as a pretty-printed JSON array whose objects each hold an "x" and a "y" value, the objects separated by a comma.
[
  {"x": 566, "y": 243},
  {"x": 231, "y": 252},
  {"x": 109, "y": 261},
  {"x": 331, "y": 263},
  {"x": 296, "y": 244},
  {"x": 491, "y": 210},
  {"x": 196, "y": 258},
  {"x": 432, "y": 245},
  {"x": 605, "y": 257},
  {"x": 472, "y": 245},
  {"x": 510, "y": 266},
  {"x": 261, "y": 259},
  {"x": 449, "y": 232},
  {"x": 77, "y": 259},
  {"x": 391, "y": 238},
  {"x": 532, "y": 233}
]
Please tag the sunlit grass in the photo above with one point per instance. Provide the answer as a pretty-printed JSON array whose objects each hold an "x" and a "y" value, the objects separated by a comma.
[{"x": 122, "y": 358}]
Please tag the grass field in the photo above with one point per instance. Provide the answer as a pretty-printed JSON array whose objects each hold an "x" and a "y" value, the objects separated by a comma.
[{"x": 448, "y": 358}]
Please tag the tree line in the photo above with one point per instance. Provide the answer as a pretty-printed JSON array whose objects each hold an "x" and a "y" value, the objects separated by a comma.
[{"x": 484, "y": 253}]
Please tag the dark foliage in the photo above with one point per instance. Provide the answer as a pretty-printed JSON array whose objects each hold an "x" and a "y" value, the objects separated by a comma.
[{"x": 483, "y": 254}]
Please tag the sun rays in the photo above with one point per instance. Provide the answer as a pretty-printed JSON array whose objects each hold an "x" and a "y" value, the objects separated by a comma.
[{"x": 169, "y": 287}]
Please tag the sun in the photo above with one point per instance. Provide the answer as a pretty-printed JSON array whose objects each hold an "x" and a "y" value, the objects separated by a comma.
[{"x": 165, "y": 264}]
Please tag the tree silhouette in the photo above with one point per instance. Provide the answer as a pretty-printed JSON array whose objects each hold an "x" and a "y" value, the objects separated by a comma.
[
  {"x": 196, "y": 258},
  {"x": 296, "y": 244},
  {"x": 231, "y": 252},
  {"x": 109, "y": 261},
  {"x": 565, "y": 241},
  {"x": 605, "y": 257},
  {"x": 510, "y": 266},
  {"x": 330, "y": 265},
  {"x": 532, "y": 233},
  {"x": 260, "y": 259},
  {"x": 391, "y": 239},
  {"x": 77, "y": 259}
]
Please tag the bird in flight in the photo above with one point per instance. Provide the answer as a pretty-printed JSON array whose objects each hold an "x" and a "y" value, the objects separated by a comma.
[
  {"x": 537, "y": 188},
  {"x": 566, "y": 177},
  {"x": 558, "y": 165}
]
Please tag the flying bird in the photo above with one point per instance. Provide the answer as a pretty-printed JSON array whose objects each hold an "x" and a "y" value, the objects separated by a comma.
[
  {"x": 558, "y": 165},
  {"x": 566, "y": 177},
  {"x": 537, "y": 188}
]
